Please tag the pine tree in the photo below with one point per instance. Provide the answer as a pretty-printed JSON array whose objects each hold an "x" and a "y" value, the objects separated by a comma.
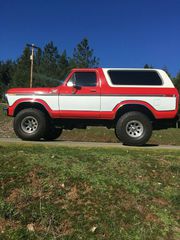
[
  {"x": 147, "y": 66},
  {"x": 83, "y": 56},
  {"x": 46, "y": 66},
  {"x": 22, "y": 74},
  {"x": 37, "y": 60},
  {"x": 49, "y": 66},
  {"x": 50, "y": 59},
  {"x": 177, "y": 82},
  {"x": 165, "y": 68},
  {"x": 63, "y": 66},
  {"x": 7, "y": 70}
]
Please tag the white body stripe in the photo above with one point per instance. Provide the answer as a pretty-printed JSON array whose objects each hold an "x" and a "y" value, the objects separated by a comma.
[
  {"x": 158, "y": 103},
  {"x": 97, "y": 103},
  {"x": 51, "y": 100},
  {"x": 81, "y": 103},
  {"x": 108, "y": 103}
]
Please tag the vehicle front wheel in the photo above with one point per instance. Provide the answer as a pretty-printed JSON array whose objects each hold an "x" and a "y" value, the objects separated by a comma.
[
  {"x": 133, "y": 129},
  {"x": 30, "y": 124}
]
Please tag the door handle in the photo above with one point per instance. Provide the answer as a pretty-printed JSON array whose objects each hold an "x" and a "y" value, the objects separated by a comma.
[{"x": 92, "y": 90}]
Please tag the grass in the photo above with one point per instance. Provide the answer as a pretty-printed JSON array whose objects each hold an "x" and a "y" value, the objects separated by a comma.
[
  {"x": 97, "y": 134},
  {"x": 5, "y": 124},
  {"x": 83, "y": 193}
]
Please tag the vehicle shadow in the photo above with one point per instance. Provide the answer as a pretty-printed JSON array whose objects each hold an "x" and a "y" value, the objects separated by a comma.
[{"x": 150, "y": 145}]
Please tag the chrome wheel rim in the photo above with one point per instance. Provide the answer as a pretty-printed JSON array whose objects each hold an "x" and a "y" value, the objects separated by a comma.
[
  {"x": 134, "y": 129},
  {"x": 29, "y": 124}
]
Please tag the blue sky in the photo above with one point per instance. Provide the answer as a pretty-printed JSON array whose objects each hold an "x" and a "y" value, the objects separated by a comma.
[{"x": 124, "y": 33}]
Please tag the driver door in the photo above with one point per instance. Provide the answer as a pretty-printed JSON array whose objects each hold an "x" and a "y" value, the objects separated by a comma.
[{"x": 80, "y": 96}]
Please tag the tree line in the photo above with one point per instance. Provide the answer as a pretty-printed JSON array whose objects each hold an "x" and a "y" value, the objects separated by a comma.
[{"x": 50, "y": 66}]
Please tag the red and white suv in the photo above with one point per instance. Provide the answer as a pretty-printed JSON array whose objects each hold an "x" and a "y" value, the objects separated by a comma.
[{"x": 132, "y": 101}]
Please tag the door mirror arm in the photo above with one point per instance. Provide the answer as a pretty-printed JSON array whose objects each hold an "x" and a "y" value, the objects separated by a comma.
[{"x": 77, "y": 86}]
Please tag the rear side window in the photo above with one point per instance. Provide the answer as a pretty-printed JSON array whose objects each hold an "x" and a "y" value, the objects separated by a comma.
[
  {"x": 85, "y": 79},
  {"x": 134, "y": 77}
]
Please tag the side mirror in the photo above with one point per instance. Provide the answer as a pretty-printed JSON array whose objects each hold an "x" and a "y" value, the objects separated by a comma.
[{"x": 70, "y": 84}]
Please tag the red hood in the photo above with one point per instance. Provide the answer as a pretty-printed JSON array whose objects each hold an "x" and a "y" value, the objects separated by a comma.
[{"x": 32, "y": 91}]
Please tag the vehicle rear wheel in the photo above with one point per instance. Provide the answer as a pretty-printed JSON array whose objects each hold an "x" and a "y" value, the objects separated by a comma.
[
  {"x": 30, "y": 124},
  {"x": 134, "y": 129},
  {"x": 52, "y": 133}
]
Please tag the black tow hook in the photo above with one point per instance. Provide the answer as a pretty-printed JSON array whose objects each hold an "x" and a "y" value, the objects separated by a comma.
[
  {"x": 178, "y": 122},
  {"x": 5, "y": 110}
]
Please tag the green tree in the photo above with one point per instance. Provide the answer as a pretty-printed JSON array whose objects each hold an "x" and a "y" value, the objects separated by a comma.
[
  {"x": 50, "y": 60},
  {"x": 46, "y": 66},
  {"x": 7, "y": 70},
  {"x": 165, "y": 68},
  {"x": 177, "y": 81},
  {"x": 37, "y": 60},
  {"x": 49, "y": 66},
  {"x": 22, "y": 74},
  {"x": 83, "y": 56},
  {"x": 63, "y": 66},
  {"x": 147, "y": 66}
]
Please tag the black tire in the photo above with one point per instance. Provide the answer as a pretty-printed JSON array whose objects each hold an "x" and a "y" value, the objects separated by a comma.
[
  {"x": 30, "y": 124},
  {"x": 133, "y": 129},
  {"x": 52, "y": 133}
]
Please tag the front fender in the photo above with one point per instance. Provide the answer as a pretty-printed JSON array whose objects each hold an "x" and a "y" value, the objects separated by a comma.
[{"x": 12, "y": 109}]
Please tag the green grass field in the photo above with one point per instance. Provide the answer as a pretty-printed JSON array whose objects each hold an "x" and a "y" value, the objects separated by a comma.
[
  {"x": 58, "y": 193},
  {"x": 97, "y": 134},
  {"x": 62, "y": 193}
]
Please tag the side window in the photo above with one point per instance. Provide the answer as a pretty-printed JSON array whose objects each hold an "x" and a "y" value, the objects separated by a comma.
[
  {"x": 85, "y": 79},
  {"x": 137, "y": 77}
]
